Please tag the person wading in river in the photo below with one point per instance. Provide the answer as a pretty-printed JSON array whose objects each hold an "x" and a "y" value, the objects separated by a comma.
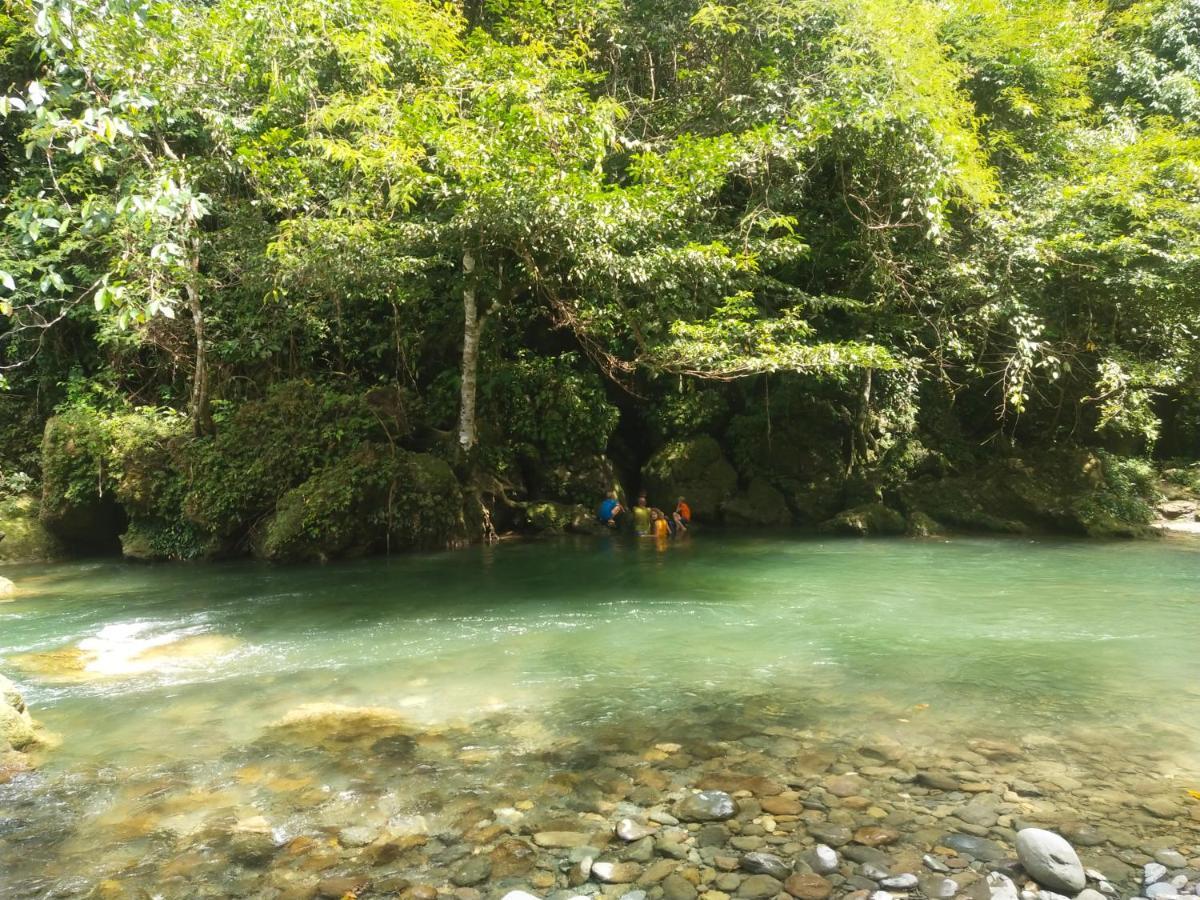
[{"x": 641, "y": 516}]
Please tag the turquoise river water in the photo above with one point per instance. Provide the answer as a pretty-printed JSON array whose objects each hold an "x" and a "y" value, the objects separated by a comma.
[{"x": 166, "y": 685}]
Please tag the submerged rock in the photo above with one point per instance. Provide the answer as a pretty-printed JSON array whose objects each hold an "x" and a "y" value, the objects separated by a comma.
[
  {"x": 16, "y": 725},
  {"x": 119, "y": 651},
  {"x": 333, "y": 723},
  {"x": 1050, "y": 860},
  {"x": 706, "y": 806},
  {"x": 868, "y": 519}
]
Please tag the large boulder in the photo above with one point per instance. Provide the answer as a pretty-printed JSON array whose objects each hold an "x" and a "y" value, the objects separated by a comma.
[
  {"x": 759, "y": 505},
  {"x": 695, "y": 469},
  {"x": 1073, "y": 491},
  {"x": 868, "y": 519},
  {"x": 376, "y": 498},
  {"x": 23, "y": 537},
  {"x": 16, "y": 725}
]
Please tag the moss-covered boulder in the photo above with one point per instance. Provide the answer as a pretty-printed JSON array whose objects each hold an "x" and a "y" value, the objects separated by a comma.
[
  {"x": 16, "y": 725},
  {"x": 868, "y": 519},
  {"x": 759, "y": 505},
  {"x": 695, "y": 469},
  {"x": 23, "y": 537},
  {"x": 377, "y": 498},
  {"x": 1071, "y": 491}
]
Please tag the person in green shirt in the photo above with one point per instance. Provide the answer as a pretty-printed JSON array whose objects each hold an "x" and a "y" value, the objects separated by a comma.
[{"x": 641, "y": 516}]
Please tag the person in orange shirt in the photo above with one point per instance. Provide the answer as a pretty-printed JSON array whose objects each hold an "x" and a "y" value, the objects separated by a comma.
[{"x": 683, "y": 512}]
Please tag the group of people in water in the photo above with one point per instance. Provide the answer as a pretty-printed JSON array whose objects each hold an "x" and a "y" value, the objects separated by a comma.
[{"x": 648, "y": 521}]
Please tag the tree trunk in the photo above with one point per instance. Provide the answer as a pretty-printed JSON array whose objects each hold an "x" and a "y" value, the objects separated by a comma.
[
  {"x": 199, "y": 410},
  {"x": 470, "y": 361}
]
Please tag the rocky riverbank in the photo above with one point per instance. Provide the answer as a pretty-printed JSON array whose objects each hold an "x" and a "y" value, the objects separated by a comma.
[{"x": 335, "y": 801}]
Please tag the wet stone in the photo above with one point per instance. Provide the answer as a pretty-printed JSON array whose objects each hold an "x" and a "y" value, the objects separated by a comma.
[
  {"x": 939, "y": 781},
  {"x": 759, "y": 887},
  {"x": 631, "y": 830},
  {"x": 833, "y": 835},
  {"x": 1050, "y": 860},
  {"x": 1083, "y": 835},
  {"x": 472, "y": 871},
  {"x": 336, "y": 888},
  {"x": 823, "y": 859},
  {"x": 1161, "y": 808},
  {"x": 1172, "y": 859},
  {"x": 676, "y": 887},
  {"x": 905, "y": 882},
  {"x": 616, "y": 872},
  {"x": 933, "y": 864},
  {"x": 706, "y": 806},
  {"x": 560, "y": 840},
  {"x": 1153, "y": 873},
  {"x": 974, "y": 847},
  {"x": 639, "y": 851},
  {"x": 876, "y": 836},
  {"x": 766, "y": 864},
  {"x": 808, "y": 887},
  {"x": 712, "y": 836},
  {"x": 862, "y": 854},
  {"x": 747, "y": 842}
]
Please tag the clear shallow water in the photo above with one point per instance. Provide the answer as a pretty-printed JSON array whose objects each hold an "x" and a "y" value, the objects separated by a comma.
[{"x": 518, "y": 650}]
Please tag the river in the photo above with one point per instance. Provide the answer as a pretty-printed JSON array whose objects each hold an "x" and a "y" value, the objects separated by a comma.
[{"x": 242, "y": 730}]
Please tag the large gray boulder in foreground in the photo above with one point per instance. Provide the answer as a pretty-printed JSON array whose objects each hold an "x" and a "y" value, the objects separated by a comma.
[{"x": 1050, "y": 861}]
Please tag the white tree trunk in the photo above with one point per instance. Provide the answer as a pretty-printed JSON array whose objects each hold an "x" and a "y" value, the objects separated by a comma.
[{"x": 470, "y": 360}]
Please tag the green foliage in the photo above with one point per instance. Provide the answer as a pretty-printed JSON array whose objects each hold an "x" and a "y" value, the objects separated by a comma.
[
  {"x": 933, "y": 227},
  {"x": 1125, "y": 500},
  {"x": 549, "y": 409}
]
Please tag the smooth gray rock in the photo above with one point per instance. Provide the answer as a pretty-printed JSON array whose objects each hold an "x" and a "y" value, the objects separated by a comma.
[
  {"x": 676, "y": 887},
  {"x": 630, "y": 830},
  {"x": 1161, "y": 891},
  {"x": 833, "y": 835},
  {"x": 616, "y": 872},
  {"x": 1001, "y": 887},
  {"x": 519, "y": 895},
  {"x": 933, "y": 864},
  {"x": 706, "y": 806},
  {"x": 874, "y": 872},
  {"x": 822, "y": 859},
  {"x": 945, "y": 889},
  {"x": 759, "y": 887},
  {"x": 1050, "y": 861},
  {"x": 905, "y": 882},
  {"x": 1090, "y": 894},
  {"x": 1172, "y": 859},
  {"x": 472, "y": 871},
  {"x": 766, "y": 864},
  {"x": 1152, "y": 873},
  {"x": 975, "y": 847}
]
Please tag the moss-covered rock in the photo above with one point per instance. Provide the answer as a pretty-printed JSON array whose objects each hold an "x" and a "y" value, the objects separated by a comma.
[
  {"x": 920, "y": 525},
  {"x": 759, "y": 505},
  {"x": 23, "y": 537},
  {"x": 868, "y": 519},
  {"x": 376, "y": 498},
  {"x": 1071, "y": 491},
  {"x": 695, "y": 469}
]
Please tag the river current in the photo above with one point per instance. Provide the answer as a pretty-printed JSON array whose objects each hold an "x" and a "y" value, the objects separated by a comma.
[{"x": 202, "y": 709}]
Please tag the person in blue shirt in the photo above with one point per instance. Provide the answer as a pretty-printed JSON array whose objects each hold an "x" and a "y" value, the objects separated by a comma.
[{"x": 610, "y": 511}]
